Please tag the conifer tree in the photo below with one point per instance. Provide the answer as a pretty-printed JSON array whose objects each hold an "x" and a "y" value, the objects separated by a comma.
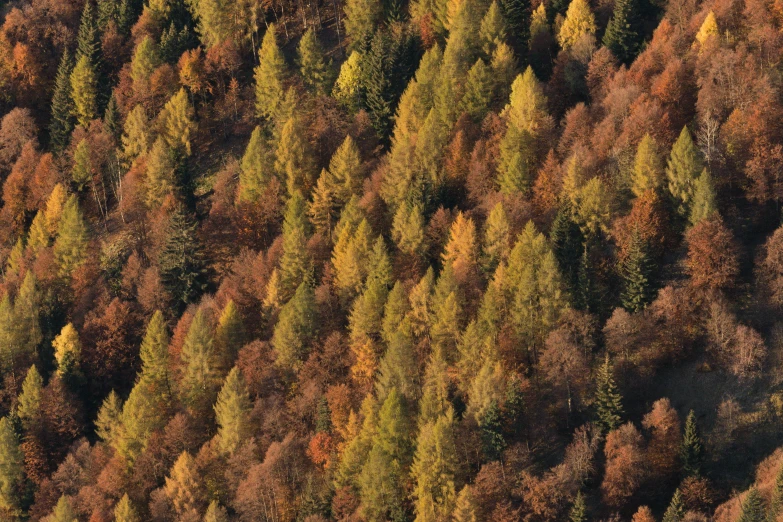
[
  {"x": 394, "y": 311},
  {"x": 84, "y": 91},
  {"x": 63, "y": 511},
  {"x": 647, "y": 168},
  {"x": 408, "y": 229},
  {"x": 200, "y": 381},
  {"x": 54, "y": 208},
  {"x": 478, "y": 91},
  {"x": 125, "y": 512},
  {"x": 704, "y": 198},
  {"x": 516, "y": 14},
  {"x": 255, "y": 168},
  {"x": 434, "y": 469},
  {"x": 708, "y": 28},
  {"x": 376, "y": 84},
  {"x": 67, "y": 351},
  {"x": 70, "y": 247},
  {"x": 579, "y": 21},
  {"x": 466, "y": 508},
  {"x": 324, "y": 209},
  {"x": 316, "y": 72},
  {"x": 295, "y": 261},
  {"x": 218, "y": 20},
  {"x": 28, "y": 407},
  {"x": 608, "y": 402},
  {"x": 178, "y": 120},
  {"x": 111, "y": 117},
  {"x": 578, "y": 511},
  {"x": 62, "y": 121},
  {"x": 88, "y": 43},
  {"x": 215, "y": 513},
  {"x": 232, "y": 412},
  {"x": 492, "y": 31},
  {"x": 82, "y": 167},
  {"x": 183, "y": 487},
  {"x": 692, "y": 449},
  {"x": 27, "y": 316},
  {"x": 497, "y": 237},
  {"x": 136, "y": 137},
  {"x": 38, "y": 235},
  {"x": 676, "y": 510},
  {"x": 295, "y": 327},
  {"x": 11, "y": 466},
  {"x": 155, "y": 358},
  {"x": 294, "y": 158},
  {"x": 777, "y": 496},
  {"x": 397, "y": 370},
  {"x": 159, "y": 182},
  {"x": 346, "y": 87},
  {"x": 492, "y": 441},
  {"x": 146, "y": 59},
  {"x": 753, "y": 509},
  {"x": 229, "y": 335},
  {"x": 683, "y": 168},
  {"x": 360, "y": 19},
  {"x": 182, "y": 266},
  {"x": 109, "y": 419},
  {"x": 269, "y": 76},
  {"x": 622, "y": 34},
  {"x": 637, "y": 271},
  {"x": 346, "y": 167}
]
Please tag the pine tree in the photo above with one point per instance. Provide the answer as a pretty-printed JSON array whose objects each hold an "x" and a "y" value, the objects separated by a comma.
[
  {"x": 692, "y": 448},
  {"x": 704, "y": 198},
  {"x": 622, "y": 35},
  {"x": 294, "y": 158},
  {"x": 269, "y": 76},
  {"x": 11, "y": 466},
  {"x": 361, "y": 16},
  {"x": 63, "y": 110},
  {"x": 159, "y": 181},
  {"x": 70, "y": 247},
  {"x": 579, "y": 21},
  {"x": 608, "y": 401},
  {"x": 316, "y": 72},
  {"x": 178, "y": 120},
  {"x": 125, "y": 512},
  {"x": 295, "y": 327},
  {"x": 295, "y": 261},
  {"x": 683, "y": 168},
  {"x": 676, "y": 510},
  {"x": 28, "y": 407},
  {"x": 229, "y": 335},
  {"x": 753, "y": 509},
  {"x": 647, "y": 168},
  {"x": 255, "y": 168},
  {"x": 578, "y": 509},
  {"x": 63, "y": 510},
  {"x": 84, "y": 91},
  {"x": 637, "y": 271},
  {"x": 82, "y": 165},
  {"x": 232, "y": 412},
  {"x": 182, "y": 267},
  {"x": 434, "y": 468}
]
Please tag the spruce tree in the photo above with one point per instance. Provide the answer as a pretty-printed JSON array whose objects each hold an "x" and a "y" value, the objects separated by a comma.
[
  {"x": 753, "y": 508},
  {"x": 622, "y": 35},
  {"x": 578, "y": 511},
  {"x": 316, "y": 72},
  {"x": 492, "y": 441},
  {"x": 88, "y": 44},
  {"x": 676, "y": 510},
  {"x": 11, "y": 466},
  {"x": 199, "y": 383},
  {"x": 181, "y": 262},
  {"x": 517, "y": 16},
  {"x": 269, "y": 76},
  {"x": 567, "y": 244},
  {"x": 692, "y": 448},
  {"x": 70, "y": 247},
  {"x": 62, "y": 121},
  {"x": 111, "y": 118},
  {"x": 704, "y": 198},
  {"x": 232, "y": 412},
  {"x": 637, "y": 271},
  {"x": 376, "y": 83},
  {"x": 683, "y": 168},
  {"x": 608, "y": 401}
]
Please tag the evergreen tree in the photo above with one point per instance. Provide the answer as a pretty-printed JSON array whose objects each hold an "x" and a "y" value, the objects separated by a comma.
[
  {"x": 70, "y": 247},
  {"x": 159, "y": 182},
  {"x": 608, "y": 401},
  {"x": 346, "y": 167},
  {"x": 84, "y": 91},
  {"x": 637, "y": 272},
  {"x": 125, "y": 512},
  {"x": 11, "y": 466},
  {"x": 753, "y": 509},
  {"x": 255, "y": 168},
  {"x": 578, "y": 511},
  {"x": 517, "y": 15},
  {"x": 232, "y": 412},
  {"x": 492, "y": 31},
  {"x": 676, "y": 510},
  {"x": 692, "y": 449},
  {"x": 295, "y": 261},
  {"x": 622, "y": 35},
  {"x": 316, "y": 72},
  {"x": 63, "y": 511},
  {"x": 295, "y": 327},
  {"x": 492, "y": 441},
  {"x": 229, "y": 335},
  {"x": 683, "y": 168},
  {"x": 200, "y": 381},
  {"x": 777, "y": 496},
  {"x": 704, "y": 198},
  {"x": 82, "y": 165},
  {"x": 62, "y": 121},
  {"x": 182, "y": 267},
  {"x": 361, "y": 16},
  {"x": 88, "y": 43},
  {"x": 137, "y": 136},
  {"x": 178, "y": 120},
  {"x": 145, "y": 60},
  {"x": 579, "y": 21},
  {"x": 478, "y": 91},
  {"x": 434, "y": 469},
  {"x": 294, "y": 158},
  {"x": 376, "y": 84},
  {"x": 28, "y": 407},
  {"x": 109, "y": 419},
  {"x": 111, "y": 118},
  {"x": 567, "y": 244},
  {"x": 269, "y": 76}
]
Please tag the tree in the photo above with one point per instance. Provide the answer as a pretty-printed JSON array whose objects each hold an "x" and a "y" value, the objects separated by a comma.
[
  {"x": 692, "y": 447},
  {"x": 88, "y": 44},
  {"x": 215, "y": 513},
  {"x": 183, "y": 487},
  {"x": 625, "y": 469},
  {"x": 255, "y": 168},
  {"x": 28, "y": 408},
  {"x": 578, "y": 511},
  {"x": 11, "y": 466},
  {"x": 647, "y": 167},
  {"x": 676, "y": 510},
  {"x": 229, "y": 335},
  {"x": 159, "y": 182},
  {"x": 146, "y": 59},
  {"x": 478, "y": 91},
  {"x": 346, "y": 87},
  {"x": 753, "y": 509},
  {"x": 154, "y": 357},
  {"x": 232, "y": 412},
  {"x": 316, "y": 72},
  {"x": 137, "y": 136},
  {"x": 466, "y": 508},
  {"x": 294, "y": 158},
  {"x": 63, "y": 110},
  {"x": 497, "y": 237},
  {"x": 295, "y": 327},
  {"x": 295, "y": 261},
  {"x": 636, "y": 270},
  {"x": 712, "y": 261},
  {"x": 63, "y": 511},
  {"x": 492, "y": 31},
  {"x": 608, "y": 401},
  {"x": 682, "y": 169},
  {"x": 360, "y": 19},
  {"x": 434, "y": 469},
  {"x": 67, "y": 351},
  {"x": 109, "y": 420},
  {"x": 704, "y": 199},
  {"x": 490, "y": 423},
  {"x": 70, "y": 247},
  {"x": 178, "y": 120},
  {"x": 181, "y": 262},
  {"x": 124, "y": 511},
  {"x": 82, "y": 165},
  {"x": 84, "y": 91},
  {"x": 709, "y": 28},
  {"x": 346, "y": 167},
  {"x": 27, "y": 316},
  {"x": 579, "y": 21},
  {"x": 622, "y": 34},
  {"x": 269, "y": 76},
  {"x": 198, "y": 386},
  {"x": 516, "y": 14}
]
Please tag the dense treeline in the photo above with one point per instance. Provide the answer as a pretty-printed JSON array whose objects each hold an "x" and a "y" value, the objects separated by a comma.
[{"x": 436, "y": 260}]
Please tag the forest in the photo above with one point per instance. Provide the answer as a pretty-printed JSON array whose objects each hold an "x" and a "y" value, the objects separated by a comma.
[{"x": 391, "y": 260}]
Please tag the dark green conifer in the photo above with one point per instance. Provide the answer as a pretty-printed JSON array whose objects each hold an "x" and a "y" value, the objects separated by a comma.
[
  {"x": 753, "y": 509},
  {"x": 62, "y": 121},
  {"x": 692, "y": 449},
  {"x": 182, "y": 266},
  {"x": 608, "y": 401},
  {"x": 636, "y": 271},
  {"x": 578, "y": 511},
  {"x": 492, "y": 441},
  {"x": 622, "y": 34}
]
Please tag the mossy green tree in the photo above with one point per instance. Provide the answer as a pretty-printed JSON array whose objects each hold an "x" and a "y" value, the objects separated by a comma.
[
  {"x": 62, "y": 120},
  {"x": 608, "y": 401},
  {"x": 232, "y": 412},
  {"x": 270, "y": 75}
]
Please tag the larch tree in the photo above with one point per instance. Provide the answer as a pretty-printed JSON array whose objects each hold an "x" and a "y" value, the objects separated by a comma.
[
  {"x": 478, "y": 91},
  {"x": 146, "y": 59},
  {"x": 346, "y": 167},
  {"x": 256, "y": 168},
  {"x": 28, "y": 407},
  {"x": 684, "y": 166},
  {"x": 295, "y": 327},
  {"x": 183, "y": 487},
  {"x": 70, "y": 246},
  {"x": 84, "y": 91},
  {"x": 295, "y": 262},
  {"x": 109, "y": 419},
  {"x": 676, "y": 510},
  {"x": 67, "y": 351},
  {"x": 178, "y": 122},
  {"x": 346, "y": 87},
  {"x": 216, "y": 513},
  {"x": 81, "y": 174},
  {"x": 578, "y": 512},
  {"x": 316, "y": 72},
  {"x": 434, "y": 469},
  {"x": 493, "y": 30},
  {"x": 137, "y": 135},
  {"x": 361, "y": 16},
  {"x": 324, "y": 209},
  {"x": 294, "y": 158},
  {"x": 159, "y": 181},
  {"x": 647, "y": 171},
  {"x": 497, "y": 237},
  {"x": 199, "y": 383},
  {"x": 753, "y": 507},
  {"x": 63, "y": 511},
  {"x": 608, "y": 401},
  {"x": 62, "y": 121},
  {"x": 705, "y": 203},
  {"x": 230, "y": 335},
  {"x": 11, "y": 467},
  {"x": 579, "y": 21},
  {"x": 269, "y": 75},
  {"x": 124, "y": 511},
  {"x": 154, "y": 357},
  {"x": 232, "y": 412},
  {"x": 708, "y": 29},
  {"x": 27, "y": 316}
]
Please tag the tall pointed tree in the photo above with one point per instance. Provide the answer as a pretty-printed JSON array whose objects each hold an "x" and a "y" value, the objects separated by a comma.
[
  {"x": 692, "y": 449},
  {"x": 62, "y": 121},
  {"x": 683, "y": 168},
  {"x": 11, "y": 467},
  {"x": 608, "y": 401},
  {"x": 232, "y": 412},
  {"x": 269, "y": 75},
  {"x": 199, "y": 384},
  {"x": 70, "y": 247},
  {"x": 181, "y": 261},
  {"x": 622, "y": 35}
]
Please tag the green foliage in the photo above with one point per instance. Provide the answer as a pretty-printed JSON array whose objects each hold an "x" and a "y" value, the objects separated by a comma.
[
  {"x": 70, "y": 247},
  {"x": 676, "y": 510},
  {"x": 361, "y": 16},
  {"x": 493, "y": 29},
  {"x": 125, "y": 512},
  {"x": 82, "y": 165},
  {"x": 434, "y": 468},
  {"x": 704, "y": 198},
  {"x": 316, "y": 72},
  {"x": 199, "y": 383},
  {"x": 11, "y": 466},
  {"x": 478, "y": 91},
  {"x": 578, "y": 511},
  {"x": 178, "y": 121},
  {"x": 109, "y": 419},
  {"x": 692, "y": 448},
  {"x": 28, "y": 408},
  {"x": 647, "y": 168},
  {"x": 346, "y": 88},
  {"x": 294, "y": 158},
  {"x": 232, "y": 412},
  {"x": 182, "y": 265},
  {"x": 63, "y": 511},
  {"x": 269, "y": 76},
  {"x": 295, "y": 261},
  {"x": 608, "y": 401},
  {"x": 683, "y": 168},
  {"x": 62, "y": 112},
  {"x": 295, "y": 328},
  {"x": 637, "y": 271},
  {"x": 146, "y": 59},
  {"x": 255, "y": 168},
  {"x": 753, "y": 508},
  {"x": 229, "y": 335},
  {"x": 492, "y": 441},
  {"x": 622, "y": 35},
  {"x": 84, "y": 91}
]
